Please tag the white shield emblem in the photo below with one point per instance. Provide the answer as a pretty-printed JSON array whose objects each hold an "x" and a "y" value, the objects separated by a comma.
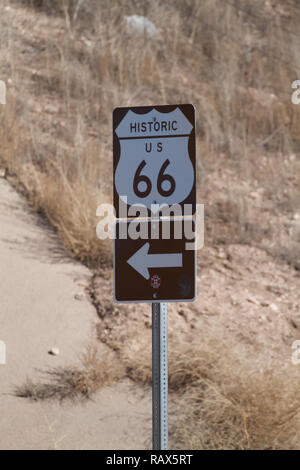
[{"x": 154, "y": 165}]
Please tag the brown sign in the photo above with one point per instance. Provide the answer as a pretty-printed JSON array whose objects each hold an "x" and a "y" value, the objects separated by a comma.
[{"x": 153, "y": 261}]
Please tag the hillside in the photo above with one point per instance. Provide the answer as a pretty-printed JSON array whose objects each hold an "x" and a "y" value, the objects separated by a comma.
[{"x": 67, "y": 65}]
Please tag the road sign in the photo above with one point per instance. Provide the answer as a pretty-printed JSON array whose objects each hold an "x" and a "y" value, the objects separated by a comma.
[
  {"x": 153, "y": 268},
  {"x": 154, "y": 158},
  {"x": 154, "y": 168}
]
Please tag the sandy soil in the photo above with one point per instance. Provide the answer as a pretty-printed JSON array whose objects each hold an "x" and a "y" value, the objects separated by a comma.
[{"x": 43, "y": 304}]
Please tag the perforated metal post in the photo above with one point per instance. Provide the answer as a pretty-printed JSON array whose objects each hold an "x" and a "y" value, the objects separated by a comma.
[
  {"x": 160, "y": 376},
  {"x": 164, "y": 376},
  {"x": 156, "y": 376}
]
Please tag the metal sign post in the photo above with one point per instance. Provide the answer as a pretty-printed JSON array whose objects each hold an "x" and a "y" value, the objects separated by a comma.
[
  {"x": 164, "y": 376},
  {"x": 156, "y": 376},
  {"x": 160, "y": 376}
]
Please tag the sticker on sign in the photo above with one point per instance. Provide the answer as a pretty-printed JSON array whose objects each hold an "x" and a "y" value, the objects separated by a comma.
[{"x": 154, "y": 158}]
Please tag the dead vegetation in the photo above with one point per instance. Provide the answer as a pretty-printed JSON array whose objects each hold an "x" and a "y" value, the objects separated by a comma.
[
  {"x": 221, "y": 396},
  {"x": 240, "y": 412},
  {"x": 74, "y": 383},
  {"x": 242, "y": 69},
  {"x": 235, "y": 61},
  {"x": 244, "y": 406}
]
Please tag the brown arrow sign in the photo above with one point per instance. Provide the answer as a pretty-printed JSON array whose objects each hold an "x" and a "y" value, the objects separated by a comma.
[{"x": 153, "y": 268}]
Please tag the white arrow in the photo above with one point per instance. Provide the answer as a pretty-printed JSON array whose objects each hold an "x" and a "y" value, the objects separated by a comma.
[{"x": 141, "y": 261}]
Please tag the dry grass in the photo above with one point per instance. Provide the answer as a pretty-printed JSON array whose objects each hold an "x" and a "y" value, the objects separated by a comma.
[
  {"x": 241, "y": 406},
  {"x": 287, "y": 254},
  {"x": 240, "y": 84},
  {"x": 240, "y": 412},
  {"x": 72, "y": 214},
  {"x": 222, "y": 396},
  {"x": 74, "y": 383}
]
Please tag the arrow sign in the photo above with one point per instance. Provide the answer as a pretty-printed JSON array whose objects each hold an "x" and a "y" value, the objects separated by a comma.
[
  {"x": 136, "y": 260},
  {"x": 141, "y": 261}
]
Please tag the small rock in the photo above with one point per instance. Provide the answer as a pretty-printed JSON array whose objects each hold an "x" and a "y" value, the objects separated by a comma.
[
  {"x": 50, "y": 108},
  {"x": 254, "y": 195},
  {"x": 274, "y": 307},
  {"x": 141, "y": 25},
  {"x": 79, "y": 297},
  {"x": 221, "y": 254},
  {"x": 86, "y": 41},
  {"x": 54, "y": 351},
  {"x": 252, "y": 300},
  {"x": 2, "y": 172},
  {"x": 296, "y": 216}
]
